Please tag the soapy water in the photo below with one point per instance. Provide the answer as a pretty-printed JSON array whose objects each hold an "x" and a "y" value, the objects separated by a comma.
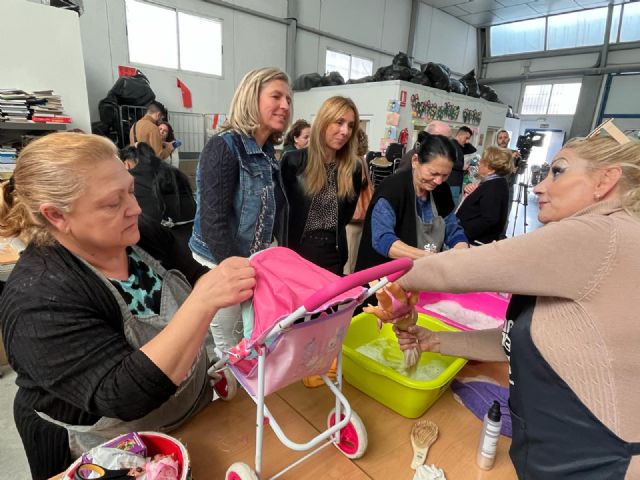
[{"x": 386, "y": 352}]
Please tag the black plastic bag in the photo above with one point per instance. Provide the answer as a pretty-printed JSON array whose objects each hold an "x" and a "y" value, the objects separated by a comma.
[
  {"x": 472, "y": 84},
  {"x": 421, "y": 79},
  {"x": 307, "y": 81},
  {"x": 134, "y": 91},
  {"x": 439, "y": 75},
  {"x": 457, "y": 86},
  {"x": 331, "y": 79},
  {"x": 401, "y": 60},
  {"x": 488, "y": 93},
  {"x": 366, "y": 79}
]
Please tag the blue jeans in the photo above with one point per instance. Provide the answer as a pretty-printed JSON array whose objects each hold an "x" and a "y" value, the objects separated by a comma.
[{"x": 455, "y": 193}]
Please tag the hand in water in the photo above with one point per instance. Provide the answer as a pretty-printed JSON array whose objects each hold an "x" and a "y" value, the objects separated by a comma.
[{"x": 418, "y": 337}]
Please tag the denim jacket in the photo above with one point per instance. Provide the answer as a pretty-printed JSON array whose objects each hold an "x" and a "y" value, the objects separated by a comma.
[{"x": 245, "y": 221}]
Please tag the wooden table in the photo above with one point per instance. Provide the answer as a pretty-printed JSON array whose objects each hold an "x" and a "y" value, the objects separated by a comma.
[{"x": 224, "y": 433}]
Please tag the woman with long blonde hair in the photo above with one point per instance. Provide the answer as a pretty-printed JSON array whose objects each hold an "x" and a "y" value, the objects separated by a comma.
[{"x": 322, "y": 183}]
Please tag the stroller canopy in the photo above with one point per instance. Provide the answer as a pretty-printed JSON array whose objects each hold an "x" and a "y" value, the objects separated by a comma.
[{"x": 284, "y": 280}]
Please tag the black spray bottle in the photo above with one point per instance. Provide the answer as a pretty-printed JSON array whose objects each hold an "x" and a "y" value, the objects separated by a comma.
[{"x": 489, "y": 437}]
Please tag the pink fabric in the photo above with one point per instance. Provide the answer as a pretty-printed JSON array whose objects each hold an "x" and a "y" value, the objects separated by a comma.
[
  {"x": 284, "y": 280},
  {"x": 305, "y": 349}
]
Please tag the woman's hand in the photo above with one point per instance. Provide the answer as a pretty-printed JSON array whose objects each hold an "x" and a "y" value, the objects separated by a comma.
[
  {"x": 470, "y": 188},
  {"x": 230, "y": 283},
  {"x": 420, "y": 337}
]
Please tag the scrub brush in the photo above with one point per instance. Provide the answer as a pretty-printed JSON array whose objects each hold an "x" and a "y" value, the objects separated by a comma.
[{"x": 423, "y": 434}]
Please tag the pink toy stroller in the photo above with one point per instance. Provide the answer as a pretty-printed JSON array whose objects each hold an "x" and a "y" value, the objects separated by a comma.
[{"x": 294, "y": 327}]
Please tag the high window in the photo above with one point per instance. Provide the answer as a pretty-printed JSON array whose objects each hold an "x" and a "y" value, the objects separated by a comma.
[
  {"x": 164, "y": 37},
  {"x": 349, "y": 66},
  {"x": 567, "y": 30},
  {"x": 551, "y": 99}
]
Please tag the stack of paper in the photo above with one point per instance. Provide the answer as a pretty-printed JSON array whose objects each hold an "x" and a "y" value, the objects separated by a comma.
[
  {"x": 13, "y": 105},
  {"x": 47, "y": 107}
]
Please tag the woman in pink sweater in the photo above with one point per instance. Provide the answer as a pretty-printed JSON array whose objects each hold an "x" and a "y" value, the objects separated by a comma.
[{"x": 572, "y": 331}]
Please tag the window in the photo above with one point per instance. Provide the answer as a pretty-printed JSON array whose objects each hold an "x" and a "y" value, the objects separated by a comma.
[
  {"x": 164, "y": 37},
  {"x": 349, "y": 66},
  {"x": 568, "y": 30},
  {"x": 517, "y": 37},
  {"x": 630, "y": 26},
  {"x": 551, "y": 99},
  {"x": 577, "y": 29}
]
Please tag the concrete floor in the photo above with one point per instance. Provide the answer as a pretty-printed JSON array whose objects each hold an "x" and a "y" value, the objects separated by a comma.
[{"x": 13, "y": 462}]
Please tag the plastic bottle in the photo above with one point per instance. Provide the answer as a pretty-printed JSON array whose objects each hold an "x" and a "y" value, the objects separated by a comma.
[{"x": 489, "y": 437}]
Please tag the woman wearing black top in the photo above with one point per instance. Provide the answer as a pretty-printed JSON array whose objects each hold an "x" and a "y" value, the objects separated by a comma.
[
  {"x": 322, "y": 183},
  {"x": 483, "y": 213},
  {"x": 104, "y": 338}
]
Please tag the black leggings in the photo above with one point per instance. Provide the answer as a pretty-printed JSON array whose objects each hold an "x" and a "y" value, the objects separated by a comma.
[{"x": 321, "y": 248}]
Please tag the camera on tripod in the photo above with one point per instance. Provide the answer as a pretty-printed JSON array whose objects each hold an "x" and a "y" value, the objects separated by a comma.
[{"x": 527, "y": 141}]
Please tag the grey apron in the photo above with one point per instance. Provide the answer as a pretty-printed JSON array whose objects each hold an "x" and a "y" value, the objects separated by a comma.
[
  {"x": 191, "y": 396},
  {"x": 430, "y": 236}
]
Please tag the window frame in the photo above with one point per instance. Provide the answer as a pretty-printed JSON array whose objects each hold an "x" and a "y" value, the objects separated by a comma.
[
  {"x": 553, "y": 84},
  {"x": 177, "y": 29},
  {"x": 350, "y": 55}
]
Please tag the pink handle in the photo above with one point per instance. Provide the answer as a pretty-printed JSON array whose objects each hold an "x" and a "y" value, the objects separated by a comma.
[{"x": 393, "y": 269}]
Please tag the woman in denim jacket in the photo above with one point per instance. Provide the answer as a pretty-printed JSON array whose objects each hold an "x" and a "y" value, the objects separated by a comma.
[{"x": 241, "y": 205}]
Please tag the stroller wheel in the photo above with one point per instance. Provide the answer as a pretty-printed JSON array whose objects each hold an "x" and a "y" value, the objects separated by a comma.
[
  {"x": 227, "y": 386},
  {"x": 240, "y": 471},
  {"x": 353, "y": 437}
]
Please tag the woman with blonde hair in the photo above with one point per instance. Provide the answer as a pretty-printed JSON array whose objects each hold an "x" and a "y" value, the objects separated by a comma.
[
  {"x": 322, "y": 183},
  {"x": 484, "y": 212},
  {"x": 105, "y": 339},
  {"x": 571, "y": 334},
  {"x": 241, "y": 205}
]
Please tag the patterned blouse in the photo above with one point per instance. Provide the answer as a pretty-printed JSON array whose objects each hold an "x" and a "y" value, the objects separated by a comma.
[
  {"x": 141, "y": 291},
  {"x": 323, "y": 213}
]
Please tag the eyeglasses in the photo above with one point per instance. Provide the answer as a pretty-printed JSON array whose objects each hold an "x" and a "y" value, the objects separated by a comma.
[{"x": 610, "y": 127}]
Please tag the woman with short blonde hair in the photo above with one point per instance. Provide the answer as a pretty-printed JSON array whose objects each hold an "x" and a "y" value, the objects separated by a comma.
[
  {"x": 323, "y": 182},
  {"x": 484, "y": 212}
]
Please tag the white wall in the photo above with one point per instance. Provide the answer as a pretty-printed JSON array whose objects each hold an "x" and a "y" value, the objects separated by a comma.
[
  {"x": 442, "y": 38},
  {"x": 251, "y": 42},
  {"x": 248, "y": 42},
  {"x": 42, "y": 50}
]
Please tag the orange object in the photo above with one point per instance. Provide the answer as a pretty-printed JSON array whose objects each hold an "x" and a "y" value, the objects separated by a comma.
[{"x": 314, "y": 381}]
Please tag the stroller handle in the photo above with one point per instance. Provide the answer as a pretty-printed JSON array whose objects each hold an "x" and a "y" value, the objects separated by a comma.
[{"x": 392, "y": 270}]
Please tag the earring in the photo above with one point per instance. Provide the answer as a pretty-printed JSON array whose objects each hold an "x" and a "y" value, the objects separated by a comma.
[{"x": 596, "y": 195}]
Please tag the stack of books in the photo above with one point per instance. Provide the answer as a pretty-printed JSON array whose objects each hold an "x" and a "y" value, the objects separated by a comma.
[
  {"x": 13, "y": 105},
  {"x": 7, "y": 161},
  {"x": 47, "y": 107}
]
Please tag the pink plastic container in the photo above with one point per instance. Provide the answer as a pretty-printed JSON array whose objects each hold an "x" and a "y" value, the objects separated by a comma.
[{"x": 491, "y": 304}]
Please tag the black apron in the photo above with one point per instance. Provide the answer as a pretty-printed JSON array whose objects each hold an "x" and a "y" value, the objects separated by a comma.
[{"x": 555, "y": 436}]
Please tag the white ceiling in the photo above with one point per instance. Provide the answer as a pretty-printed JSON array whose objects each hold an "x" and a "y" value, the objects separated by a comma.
[{"x": 483, "y": 13}]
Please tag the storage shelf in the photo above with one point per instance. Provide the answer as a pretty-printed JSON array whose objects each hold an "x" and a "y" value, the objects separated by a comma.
[{"x": 29, "y": 127}]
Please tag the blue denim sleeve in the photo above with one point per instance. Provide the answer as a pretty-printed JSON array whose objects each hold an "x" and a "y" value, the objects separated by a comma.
[
  {"x": 453, "y": 231},
  {"x": 383, "y": 224}
]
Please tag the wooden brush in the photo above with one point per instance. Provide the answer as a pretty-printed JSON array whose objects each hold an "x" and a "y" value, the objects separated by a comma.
[{"x": 423, "y": 434}]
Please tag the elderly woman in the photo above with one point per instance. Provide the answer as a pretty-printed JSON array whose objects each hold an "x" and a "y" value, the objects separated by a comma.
[
  {"x": 104, "y": 338},
  {"x": 411, "y": 212},
  {"x": 241, "y": 205},
  {"x": 297, "y": 137},
  {"x": 483, "y": 213},
  {"x": 571, "y": 335},
  {"x": 323, "y": 183}
]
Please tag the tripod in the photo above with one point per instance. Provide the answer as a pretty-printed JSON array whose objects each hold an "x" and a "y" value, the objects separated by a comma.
[{"x": 522, "y": 198}]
